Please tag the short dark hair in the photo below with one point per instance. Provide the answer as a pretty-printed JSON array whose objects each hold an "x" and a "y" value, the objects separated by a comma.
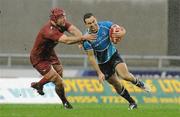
[{"x": 87, "y": 15}]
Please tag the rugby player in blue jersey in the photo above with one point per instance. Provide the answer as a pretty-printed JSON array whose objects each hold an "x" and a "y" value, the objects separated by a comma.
[{"x": 105, "y": 59}]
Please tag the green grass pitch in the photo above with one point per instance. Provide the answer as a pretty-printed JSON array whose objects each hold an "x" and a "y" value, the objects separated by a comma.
[{"x": 89, "y": 110}]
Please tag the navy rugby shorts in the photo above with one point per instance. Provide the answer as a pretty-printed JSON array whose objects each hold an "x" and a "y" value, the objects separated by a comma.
[{"x": 108, "y": 68}]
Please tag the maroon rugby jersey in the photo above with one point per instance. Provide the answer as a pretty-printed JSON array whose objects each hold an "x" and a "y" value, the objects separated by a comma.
[{"x": 45, "y": 42}]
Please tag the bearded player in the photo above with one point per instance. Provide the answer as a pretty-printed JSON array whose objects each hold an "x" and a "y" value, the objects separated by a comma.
[
  {"x": 43, "y": 56},
  {"x": 109, "y": 62}
]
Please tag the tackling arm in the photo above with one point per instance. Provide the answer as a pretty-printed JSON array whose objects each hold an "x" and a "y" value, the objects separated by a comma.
[
  {"x": 70, "y": 39},
  {"x": 76, "y": 36},
  {"x": 74, "y": 31}
]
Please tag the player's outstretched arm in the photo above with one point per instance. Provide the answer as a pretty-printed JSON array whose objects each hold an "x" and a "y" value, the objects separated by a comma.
[
  {"x": 76, "y": 36},
  {"x": 74, "y": 31},
  {"x": 76, "y": 39},
  {"x": 94, "y": 64}
]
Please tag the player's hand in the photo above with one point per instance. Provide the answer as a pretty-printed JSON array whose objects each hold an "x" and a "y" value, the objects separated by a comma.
[
  {"x": 116, "y": 40},
  {"x": 121, "y": 33},
  {"x": 116, "y": 35},
  {"x": 101, "y": 77},
  {"x": 89, "y": 37}
]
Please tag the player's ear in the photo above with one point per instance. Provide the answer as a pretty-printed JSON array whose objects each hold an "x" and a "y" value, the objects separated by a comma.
[{"x": 85, "y": 22}]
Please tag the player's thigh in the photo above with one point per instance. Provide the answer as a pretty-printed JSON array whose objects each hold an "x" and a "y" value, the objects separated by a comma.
[
  {"x": 122, "y": 70},
  {"x": 56, "y": 63},
  {"x": 43, "y": 67}
]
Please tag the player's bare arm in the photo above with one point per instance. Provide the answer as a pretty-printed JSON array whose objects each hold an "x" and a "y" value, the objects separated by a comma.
[
  {"x": 94, "y": 64},
  {"x": 76, "y": 39},
  {"x": 74, "y": 31}
]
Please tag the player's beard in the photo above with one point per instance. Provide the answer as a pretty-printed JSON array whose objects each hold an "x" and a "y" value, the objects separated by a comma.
[{"x": 61, "y": 24}]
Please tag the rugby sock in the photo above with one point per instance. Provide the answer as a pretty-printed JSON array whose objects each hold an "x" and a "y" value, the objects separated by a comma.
[
  {"x": 60, "y": 92},
  {"x": 125, "y": 94},
  {"x": 138, "y": 83},
  {"x": 43, "y": 81}
]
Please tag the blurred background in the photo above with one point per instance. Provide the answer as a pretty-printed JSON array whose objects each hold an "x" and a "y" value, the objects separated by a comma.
[
  {"x": 152, "y": 29},
  {"x": 151, "y": 46}
]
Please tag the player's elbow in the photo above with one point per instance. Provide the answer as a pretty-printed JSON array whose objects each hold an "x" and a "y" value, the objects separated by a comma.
[
  {"x": 68, "y": 42},
  {"x": 65, "y": 41}
]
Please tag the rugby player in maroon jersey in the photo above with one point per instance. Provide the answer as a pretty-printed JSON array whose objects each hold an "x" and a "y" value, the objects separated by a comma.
[{"x": 43, "y": 57}]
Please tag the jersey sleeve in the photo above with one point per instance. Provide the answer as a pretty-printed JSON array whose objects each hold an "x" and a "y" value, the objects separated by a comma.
[
  {"x": 87, "y": 45},
  {"x": 108, "y": 24},
  {"x": 52, "y": 34}
]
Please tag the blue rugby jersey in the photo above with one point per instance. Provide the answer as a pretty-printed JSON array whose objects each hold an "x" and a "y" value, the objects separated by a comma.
[{"x": 102, "y": 46}]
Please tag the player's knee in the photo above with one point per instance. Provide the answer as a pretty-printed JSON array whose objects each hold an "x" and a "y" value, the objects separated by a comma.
[
  {"x": 116, "y": 84},
  {"x": 60, "y": 73},
  {"x": 118, "y": 88},
  {"x": 54, "y": 77}
]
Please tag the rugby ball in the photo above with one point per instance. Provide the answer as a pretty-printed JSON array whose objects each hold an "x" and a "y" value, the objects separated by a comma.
[{"x": 115, "y": 30}]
